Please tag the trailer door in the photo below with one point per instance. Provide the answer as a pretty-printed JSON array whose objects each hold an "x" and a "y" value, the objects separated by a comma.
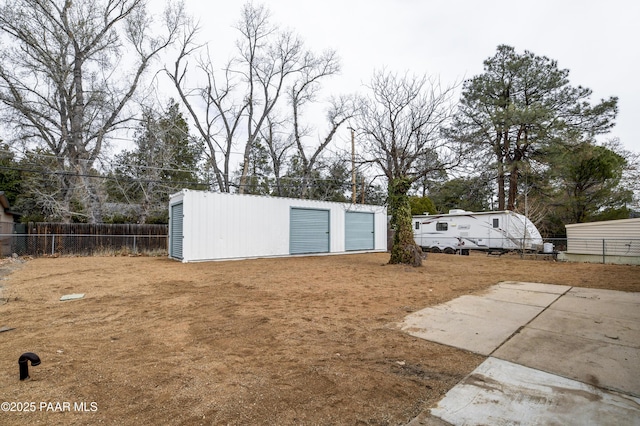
[
  {"x": 417, "y": 231},
  {"x": 495, "y": 228}
]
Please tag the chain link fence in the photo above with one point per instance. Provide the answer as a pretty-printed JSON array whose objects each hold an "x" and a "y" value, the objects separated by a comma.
[
  {"x": 602, "y": 250},
  {"x": 593, "y": 250}
]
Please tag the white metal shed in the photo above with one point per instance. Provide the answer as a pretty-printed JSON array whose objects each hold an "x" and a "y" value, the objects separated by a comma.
[
  {"x": 611, "y": 241},
  {"x": 216, "y": 226}
]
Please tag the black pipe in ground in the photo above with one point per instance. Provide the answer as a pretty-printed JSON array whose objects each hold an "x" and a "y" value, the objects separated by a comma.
[{"x": 23, "y": 361}]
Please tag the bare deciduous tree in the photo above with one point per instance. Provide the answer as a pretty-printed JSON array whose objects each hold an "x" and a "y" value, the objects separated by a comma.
[
  {"x": 399, "y": 129},
  {"x": 68, "y": 71},
  {"x": 303, "y": 92},
  {"x": 233, "y": 107},
  {"x": 278, "y": 145}
]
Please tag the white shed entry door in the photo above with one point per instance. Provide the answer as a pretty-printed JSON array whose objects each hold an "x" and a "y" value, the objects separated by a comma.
[
  {"x": 359, "y": 231},
  {"x": 175, "y": 250},
  {"x": 308, "y": 231}
]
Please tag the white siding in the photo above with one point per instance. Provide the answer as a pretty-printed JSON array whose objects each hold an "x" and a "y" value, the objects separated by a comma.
[
  {"x": 614, "y": 237},
  {"x": 232, "y": 226}
]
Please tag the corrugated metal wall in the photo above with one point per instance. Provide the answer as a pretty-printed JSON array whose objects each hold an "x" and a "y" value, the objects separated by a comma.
[{"x": 228, "y": 226}]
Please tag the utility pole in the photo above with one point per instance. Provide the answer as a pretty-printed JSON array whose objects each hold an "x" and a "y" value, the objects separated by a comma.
[{"x": 353, "y": 167}]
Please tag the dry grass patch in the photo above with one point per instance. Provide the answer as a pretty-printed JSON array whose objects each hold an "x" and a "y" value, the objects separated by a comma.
[{"x": 305, "y": 340}]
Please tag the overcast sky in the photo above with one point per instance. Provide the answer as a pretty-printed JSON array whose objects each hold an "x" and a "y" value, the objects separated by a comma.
[{"x": 596, "y": 40}]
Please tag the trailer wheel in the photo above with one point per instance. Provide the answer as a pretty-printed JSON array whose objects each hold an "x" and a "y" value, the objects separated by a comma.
[
  {"x": 449, "y": 250},
  {"x": 435, "y": 250}
]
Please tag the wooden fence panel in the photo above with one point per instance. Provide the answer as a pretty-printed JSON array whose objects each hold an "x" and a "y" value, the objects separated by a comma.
[{"x": 39, "y": 238}]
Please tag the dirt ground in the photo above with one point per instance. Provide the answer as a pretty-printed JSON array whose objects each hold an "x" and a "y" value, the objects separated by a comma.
[{"x": 305, "y": 340}]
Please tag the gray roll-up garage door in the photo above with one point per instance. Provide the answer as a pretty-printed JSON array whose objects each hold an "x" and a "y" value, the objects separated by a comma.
[
  {"x": 308, "y": 231},
  {"x": 175, "y": 250},
  {"x": 359, "y": 231}
]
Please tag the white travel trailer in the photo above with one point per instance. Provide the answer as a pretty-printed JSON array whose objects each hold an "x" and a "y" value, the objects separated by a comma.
[{"x": 461, "y": 231}]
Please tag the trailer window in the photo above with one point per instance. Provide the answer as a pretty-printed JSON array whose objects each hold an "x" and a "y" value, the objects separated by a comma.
[
  {"x": 496, "y": 223},
  {"x": 417, "y": 225},
  {"x": 442, "y": 226}
]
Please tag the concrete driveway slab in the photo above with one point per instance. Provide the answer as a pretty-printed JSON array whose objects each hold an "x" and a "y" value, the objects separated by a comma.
[
  {"x": 473, "y": 323},
  {"x": 606, "y": 329},
  {"x": 622, "y": 305},
  {"x": 523, "y": 297},
  {"x": 484, "y": 307},
  {"x": 543, "y": 288},
  {"x": 503, "y": 393},
  {"x": 590, "y": 361},
  {"x": 479, "y": 335},
  {"x": 612, "y": 296},
  {"x": 559, "y": 355}
]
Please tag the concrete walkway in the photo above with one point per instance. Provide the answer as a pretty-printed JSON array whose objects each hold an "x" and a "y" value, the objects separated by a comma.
[{"x": 557, "y": 355}]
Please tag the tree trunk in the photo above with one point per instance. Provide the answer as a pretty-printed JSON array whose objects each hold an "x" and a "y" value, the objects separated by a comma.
[
  {"x": 66, "y": 202},
  {"x": 245, "y": 167},
  {"x": 513, "y": 188},
  {"x": 500, "y": 162},
  {"x": 501, "y": 192},
  {"x": 94, "y": 203},
  {"x": 404, "y": 249}
]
